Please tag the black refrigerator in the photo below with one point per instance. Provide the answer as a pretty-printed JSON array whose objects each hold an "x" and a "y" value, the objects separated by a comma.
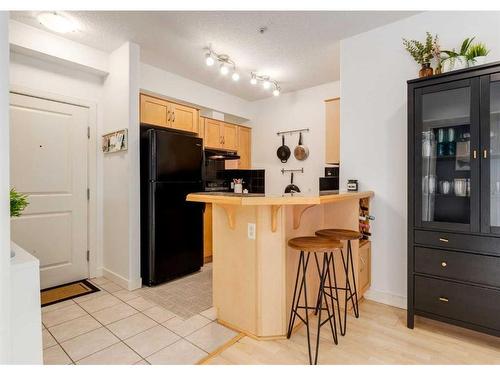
[{"x": 171, "y": 228}]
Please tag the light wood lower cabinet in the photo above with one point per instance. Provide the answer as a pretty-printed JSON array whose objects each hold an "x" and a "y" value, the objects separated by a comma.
[{"x": 160, "y": 112}]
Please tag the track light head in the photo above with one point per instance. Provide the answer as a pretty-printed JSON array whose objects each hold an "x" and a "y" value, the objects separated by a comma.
[
  {"x": 209, "y": 60},
  {"x": 235, "y": 76},
  {"x": 266, "y": 84},
  {"x": 224, "y": 69}
]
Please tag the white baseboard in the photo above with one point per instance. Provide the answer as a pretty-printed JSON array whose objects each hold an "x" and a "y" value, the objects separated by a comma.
[
  {"x": 123, "y": 282},
  {"x": 386, "y": 298}
]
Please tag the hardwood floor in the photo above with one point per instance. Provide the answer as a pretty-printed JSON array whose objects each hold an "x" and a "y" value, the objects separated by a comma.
[{"x": 379, "y": 336}]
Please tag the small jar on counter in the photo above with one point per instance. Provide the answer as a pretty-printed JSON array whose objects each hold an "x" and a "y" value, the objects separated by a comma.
[{"x": 352, "y": 185}]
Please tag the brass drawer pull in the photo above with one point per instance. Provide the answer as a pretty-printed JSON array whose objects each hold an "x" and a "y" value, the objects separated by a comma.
[
  {"x": 444, "y": 264},
  {"x": 443, "y": 299},
  {"x": 443, "y": 239}
]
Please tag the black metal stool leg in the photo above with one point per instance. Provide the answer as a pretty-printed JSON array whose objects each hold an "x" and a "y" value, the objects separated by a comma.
[
  {"x": 336, "y": 298},
  {"x": 304, "y": 274},
  {"x": 291, "y": 321},
  {"x": 318, "y": 300}
]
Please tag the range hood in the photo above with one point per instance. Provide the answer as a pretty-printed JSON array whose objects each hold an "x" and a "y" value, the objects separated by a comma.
[{"x": 221, "y": 155}]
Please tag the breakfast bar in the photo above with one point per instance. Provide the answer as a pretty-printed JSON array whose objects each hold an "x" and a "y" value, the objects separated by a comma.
[{"x": 253, "y": 269}]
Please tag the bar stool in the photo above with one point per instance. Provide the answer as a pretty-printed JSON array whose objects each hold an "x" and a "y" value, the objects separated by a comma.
[
  {"x": 345, "y": 235},
  {"x": 315, "y": 245}
]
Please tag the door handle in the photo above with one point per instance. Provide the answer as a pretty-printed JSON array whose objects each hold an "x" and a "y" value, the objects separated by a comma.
[
  {"x": 168, "y": 116},
  {"x": 444, "y": 240},
  {"x": 444, "y": 264},
  {"x": 443, "y": 299},
  {"x": 474, "y": 154},
  {"x": 173, "y": 116},
  {"x": 485, "y": 154}
]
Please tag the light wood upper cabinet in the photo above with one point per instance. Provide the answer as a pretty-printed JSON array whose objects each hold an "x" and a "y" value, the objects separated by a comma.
[
  {"x": 159, "y": 112},
  {"x": 332, "y": 131},
  {"x": 229, "y": 136},
  {"x": 184, "y": 118},
  {"x": 212, "y": 137},
  {"x": 244, "y": 147},
  {"x": 154, "y": 111},
  {"x": 220, "y": 135}
]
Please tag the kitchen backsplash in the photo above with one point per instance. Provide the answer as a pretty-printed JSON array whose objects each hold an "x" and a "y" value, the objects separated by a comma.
[{"x": 253, "y": 179}]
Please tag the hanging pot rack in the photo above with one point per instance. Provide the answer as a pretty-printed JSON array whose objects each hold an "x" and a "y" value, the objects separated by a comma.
[
  {"x": 303, "y": 130},
  {"x": 283, "y": 170}
]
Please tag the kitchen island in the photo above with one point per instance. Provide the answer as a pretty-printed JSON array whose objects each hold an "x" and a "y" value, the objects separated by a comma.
[{"x": 253, "y": 268}]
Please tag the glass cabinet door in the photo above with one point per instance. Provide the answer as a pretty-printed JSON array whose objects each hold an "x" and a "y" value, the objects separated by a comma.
[
  {"x": 447, "y": 130},
  {"x": 490, "y": 155}
]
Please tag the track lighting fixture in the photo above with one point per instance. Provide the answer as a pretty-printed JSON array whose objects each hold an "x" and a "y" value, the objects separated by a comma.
[{"x": 211, "y": 57}]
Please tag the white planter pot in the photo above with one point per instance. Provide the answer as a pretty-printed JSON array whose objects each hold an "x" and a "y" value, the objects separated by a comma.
[
  {"x": 480, "y": 60},
  {"x": 454, "y": 63}
]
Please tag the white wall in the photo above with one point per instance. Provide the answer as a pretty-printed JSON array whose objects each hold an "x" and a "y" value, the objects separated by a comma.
[
  {"x": 300, "y": 109},
  {"x": 4, "y": 193},
  {"x": 173, "y": 86},
  {"x": 121, "y": 234},
  {"x": 374, "y": 71}
]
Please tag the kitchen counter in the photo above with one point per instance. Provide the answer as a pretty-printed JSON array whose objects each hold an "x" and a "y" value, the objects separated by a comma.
[
  {"x": 253, "y": 267},
  {"x": 284, "y": 199}
]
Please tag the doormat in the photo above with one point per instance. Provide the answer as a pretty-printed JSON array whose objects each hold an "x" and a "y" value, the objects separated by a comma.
[{"x": 64, "y": 292}]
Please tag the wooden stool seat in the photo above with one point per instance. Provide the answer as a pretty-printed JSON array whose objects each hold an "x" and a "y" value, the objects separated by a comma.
[
  {"x": 339, "y": 234},
  {"x": 314, "y": 244}
]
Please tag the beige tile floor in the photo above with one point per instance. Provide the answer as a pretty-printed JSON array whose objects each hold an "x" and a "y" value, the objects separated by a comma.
[{"x": 115, "y": 326}]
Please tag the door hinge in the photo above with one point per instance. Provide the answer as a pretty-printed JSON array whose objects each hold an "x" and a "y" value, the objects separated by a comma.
[
  {"x": 88, "y": 255},
  {"x": 88, "y": 132},
  {"x": 88, "y": 194}
]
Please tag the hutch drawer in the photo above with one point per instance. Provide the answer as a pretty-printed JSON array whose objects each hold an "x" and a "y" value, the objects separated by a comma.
[
  {"x": 479, "y": 269},
  {"x": 476, "y": 305},
  {"x": 465, "y": 242}
]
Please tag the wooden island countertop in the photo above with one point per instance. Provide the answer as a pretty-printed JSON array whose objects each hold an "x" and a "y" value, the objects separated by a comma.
[
  {"x": 253, "y": 267},
  {"x": 270, "y": 200}
]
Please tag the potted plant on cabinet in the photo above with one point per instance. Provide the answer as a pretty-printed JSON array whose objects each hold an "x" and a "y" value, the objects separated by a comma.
[
  {"x": 422, "y": 53},
  {"x": 18, "y": 202},
  {"x": 469, "y": 55},
  {"x": 476, "y": 54}
]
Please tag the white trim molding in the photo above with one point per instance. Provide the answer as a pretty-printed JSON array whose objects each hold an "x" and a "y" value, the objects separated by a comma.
[
  {"x": 123, "y": 282},
  {"x": 386, "y": 298}
]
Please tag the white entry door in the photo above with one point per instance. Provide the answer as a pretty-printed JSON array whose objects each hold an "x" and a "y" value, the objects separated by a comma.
[{"x": 48, "y": 162}]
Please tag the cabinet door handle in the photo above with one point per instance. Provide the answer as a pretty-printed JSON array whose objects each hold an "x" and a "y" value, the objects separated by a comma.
[
  {"x": 444, "y": 240},
  {"x": 220, "y": 139},
  {"x": 474, "y": 154},
  {"x": 173, "y": 116},
  {"x": 485, "y": 154},
  {"x": 444, "y": 264},
  {"x": 443, "y": 299},
  {"x": 168, "y": 116}
]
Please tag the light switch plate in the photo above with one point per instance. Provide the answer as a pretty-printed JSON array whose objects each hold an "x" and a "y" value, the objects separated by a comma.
[{"x": 251, "y": 231}]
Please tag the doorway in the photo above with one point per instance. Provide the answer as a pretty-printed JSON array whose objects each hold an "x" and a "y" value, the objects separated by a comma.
[{"x": 49, "y": 163}]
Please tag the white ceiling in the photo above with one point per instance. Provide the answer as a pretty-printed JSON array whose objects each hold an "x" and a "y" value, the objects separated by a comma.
[{"x": 299, "y": 49}]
